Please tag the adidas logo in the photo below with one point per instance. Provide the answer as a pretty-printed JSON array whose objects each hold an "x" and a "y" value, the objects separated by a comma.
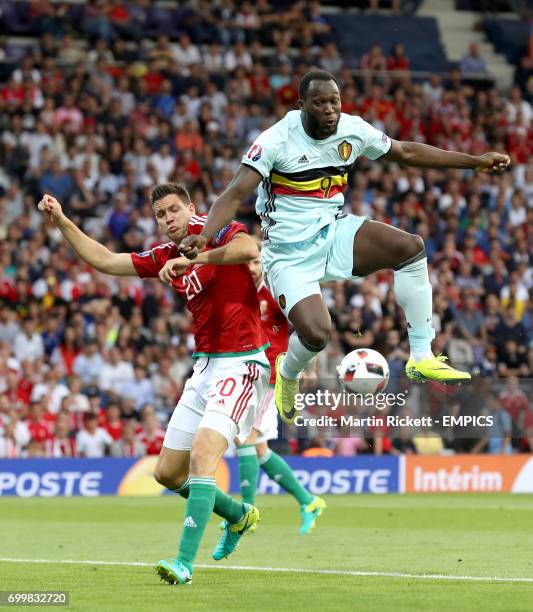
[
  {"x": 277, "y": 477},
  {"x": 189, "y": 522},
  {"x": 303, "y": 160},
  {"x": 245, "y": 483}
]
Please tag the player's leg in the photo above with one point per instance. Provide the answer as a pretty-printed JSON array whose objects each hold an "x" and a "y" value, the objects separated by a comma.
[
  {"x": 185, "y": 438},
  {"x": 279, "y": 470},
  {"x": 207, "y": 449},
  {"x": 231, "y": 411},
  {"x": 293, "y": 273},
  {"x": 248, "y": 466},
  {"x": 173, "y": 465},
  {"x": 172, "y": 470},
  {"x": 378, "y": 246},
  {"x": 200, "y": 491},
  {"x": 312, "y": 327}
]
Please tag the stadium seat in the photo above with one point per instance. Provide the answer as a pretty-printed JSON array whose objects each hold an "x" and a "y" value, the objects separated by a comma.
[{"x": 356, "y": 33}]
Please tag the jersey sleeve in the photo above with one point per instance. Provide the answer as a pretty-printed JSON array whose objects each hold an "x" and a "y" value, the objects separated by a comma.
[
  {"x": 375, "y": 143},
  {"x": 149, "y": 263},
  {"x": 263, "y": 154},
  {"x": 227, "y": 233}
]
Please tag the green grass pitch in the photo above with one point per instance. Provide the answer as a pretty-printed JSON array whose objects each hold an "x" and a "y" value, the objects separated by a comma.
[{"x": 476, "y": 537}]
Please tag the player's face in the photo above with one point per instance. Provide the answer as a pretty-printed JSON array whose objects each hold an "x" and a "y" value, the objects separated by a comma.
[
  {"x": 256, "y": 270},
  {"x": 321, "y": 109},
  {"x": 173, "y": 216}
]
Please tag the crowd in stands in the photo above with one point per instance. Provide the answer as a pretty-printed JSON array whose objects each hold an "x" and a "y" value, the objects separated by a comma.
[{"x": 92, "y": 365}]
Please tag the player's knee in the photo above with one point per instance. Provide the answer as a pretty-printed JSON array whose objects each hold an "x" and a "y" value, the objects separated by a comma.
[
  {"x": 164, "y": 478},
  {"x": 262, "y": 449},
  {"x": 411, "y": 246},
  {"x": 170, "y": 479},
  {"x": 315, "y": 336},
  {"x": 202, "y": 463}
]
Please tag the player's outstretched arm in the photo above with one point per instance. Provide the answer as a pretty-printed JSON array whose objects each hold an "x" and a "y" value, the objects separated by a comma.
[
  {"x": 95, "y": 254},
  {"x": 223, "y": 210},
  {"x": 240, "y": 249},
  {"x": 426, "y": 156}
]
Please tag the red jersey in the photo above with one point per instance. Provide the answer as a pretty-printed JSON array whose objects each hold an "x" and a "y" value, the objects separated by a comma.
[
  {"x": 153, "y": 443},
  {"x": 222, "y": 299},
  {"x": 114, "y": 429},
  {"x": 65, "y": 447},
  {"x": 515, "y": 402},
  {"x": 275, "y": 325}
]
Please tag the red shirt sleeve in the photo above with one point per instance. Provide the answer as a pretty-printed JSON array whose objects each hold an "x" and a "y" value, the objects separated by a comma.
[
  {"x": 149, "y": 263},
  {"x": 227, "y": 233}
]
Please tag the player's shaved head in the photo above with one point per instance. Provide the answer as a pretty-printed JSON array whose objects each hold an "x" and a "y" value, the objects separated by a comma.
[{"x": 314, "y": 75}]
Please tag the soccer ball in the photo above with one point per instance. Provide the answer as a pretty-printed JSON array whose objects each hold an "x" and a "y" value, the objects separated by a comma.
[{"x": 364, "y": 371}]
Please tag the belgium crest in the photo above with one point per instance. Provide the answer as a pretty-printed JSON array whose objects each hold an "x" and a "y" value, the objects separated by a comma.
[{"x": 345, "y": 150}]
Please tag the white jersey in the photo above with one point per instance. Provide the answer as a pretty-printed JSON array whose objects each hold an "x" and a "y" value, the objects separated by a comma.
[{"x": 304, "y": 179}]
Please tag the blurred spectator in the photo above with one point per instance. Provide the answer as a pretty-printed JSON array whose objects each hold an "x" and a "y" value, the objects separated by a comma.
[
  {"x": 114, "y": 372},
  {"x": 93, "y": 441},
  {"x": 499, "y": 440},
  {"x": 472, "y": 62},
  {"x": 14, "y": 437},
  {"x": 9, "y": 327},
  {"x": 151, "y": 435},
  {"x": 140, "y": 389},
  {"x": 113, "y": 422},
  {"x": 88, "y": 364},
  {"x": 61, "y": 444},
  {"x": 127, "y": 445},
  {"x": 28, "y": 343},
  {"x": 57, "y": 182}
]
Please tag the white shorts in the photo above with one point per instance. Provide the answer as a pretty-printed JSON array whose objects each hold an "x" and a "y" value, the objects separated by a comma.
[
  {"x": 223, "y": 394},
  {"x": 266, "y": 420},
  {"x": 293, "y": 271}
]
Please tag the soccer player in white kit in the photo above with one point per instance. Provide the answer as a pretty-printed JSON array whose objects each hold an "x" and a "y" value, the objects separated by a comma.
[{"x": 300, "y": 168}]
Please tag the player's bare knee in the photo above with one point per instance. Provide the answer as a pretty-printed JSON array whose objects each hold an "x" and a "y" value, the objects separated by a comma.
[
  {"x": 201, "y": 463},
  {"x": 411, "y": 247},
  {"x": 165, "y": 478},
  {"x": 262, "y": 449},
  {"x": 316, "y": 336}
]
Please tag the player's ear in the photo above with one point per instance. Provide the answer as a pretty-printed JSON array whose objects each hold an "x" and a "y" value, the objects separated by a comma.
[
  {"x": 191, "y": 206},
  {"x": 300, "y": 103}
]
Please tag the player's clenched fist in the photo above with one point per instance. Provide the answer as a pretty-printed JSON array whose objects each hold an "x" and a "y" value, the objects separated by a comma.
[
  {"x": 51, "y": 207},
  {"x": 172, "y": 269},
  {"x": 192, "y": 245},
  {"x": 493, "y": 162}
]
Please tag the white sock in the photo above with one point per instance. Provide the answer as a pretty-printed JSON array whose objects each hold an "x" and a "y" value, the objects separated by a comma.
[
  {"x": 415, "y": 295},
  {"x": 298, "y": 357}
]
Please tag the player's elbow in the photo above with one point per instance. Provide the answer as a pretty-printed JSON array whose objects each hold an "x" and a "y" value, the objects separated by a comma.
[
  {"x": 405, "y": 153},
  {"x": 104, "y": 266},
  {"x": 110, "y": 265},
  {"x": 248, "y": 249}
]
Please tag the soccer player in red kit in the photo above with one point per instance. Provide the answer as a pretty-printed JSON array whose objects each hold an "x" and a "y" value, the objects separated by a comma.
[
  {"x": 231, "y": 369},
  {"x": 253, "y": 452}
]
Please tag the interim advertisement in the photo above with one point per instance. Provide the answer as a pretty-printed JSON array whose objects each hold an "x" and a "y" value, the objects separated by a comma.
[{"x": 469, "y": 474}]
